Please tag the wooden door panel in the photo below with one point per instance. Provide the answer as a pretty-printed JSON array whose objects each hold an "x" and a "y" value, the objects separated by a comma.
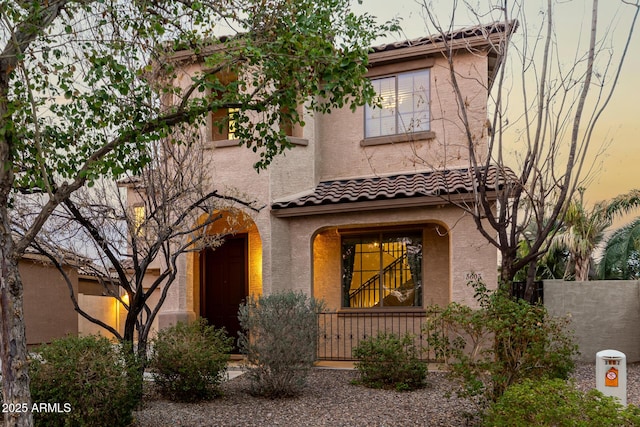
[{"x": 224, "y": 283}]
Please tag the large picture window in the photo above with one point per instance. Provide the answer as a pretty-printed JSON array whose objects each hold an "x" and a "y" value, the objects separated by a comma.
[
  {"x": 405, "y": 105},
  {"x": 382, "y": 270}
]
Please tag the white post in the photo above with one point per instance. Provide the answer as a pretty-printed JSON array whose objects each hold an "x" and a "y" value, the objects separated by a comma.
[{"x": 611, "y": 374}]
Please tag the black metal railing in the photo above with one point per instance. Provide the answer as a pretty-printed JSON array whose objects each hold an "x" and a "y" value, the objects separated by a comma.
[
  {"x": 518, "y": 290},
  {"x": 341, "y": 332}
]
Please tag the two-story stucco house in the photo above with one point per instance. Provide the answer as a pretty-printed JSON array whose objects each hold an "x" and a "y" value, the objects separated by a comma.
[{"x": 359, "y": 212}]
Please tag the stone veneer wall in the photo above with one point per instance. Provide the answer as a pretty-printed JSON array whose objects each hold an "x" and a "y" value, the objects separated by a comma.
[{"x": 605, "y": 314}]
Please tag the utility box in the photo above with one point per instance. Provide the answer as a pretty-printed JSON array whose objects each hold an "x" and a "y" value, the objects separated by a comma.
[{"x": 611, "y": 374}]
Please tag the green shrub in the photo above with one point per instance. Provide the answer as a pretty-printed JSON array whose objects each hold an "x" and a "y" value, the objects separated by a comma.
[
  {"x": 500, "y": 343},
  {"x": 555, "y": 403},
  {"x": 189, "y": 360},
  {"x": 389, "y": 361},
  {"x": 89, "y": 380},
  {"x": 279, "y": 338}
]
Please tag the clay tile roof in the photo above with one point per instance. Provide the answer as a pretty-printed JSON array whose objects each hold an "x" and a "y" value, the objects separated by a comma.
[
  {"x": 463, "y": 33},
  {"x": 425, "y": 184}
]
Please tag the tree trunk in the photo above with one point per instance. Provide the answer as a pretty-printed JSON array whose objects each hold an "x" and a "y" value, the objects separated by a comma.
[
  {"x": 128, "y": 342},
  {"x": 128, "y": 335},
  {"x": 530, "y": 285},
  {"x": 506, "y": 269},
  {"x": 13, "y": 343},
  {"x": 583, "y": 265},
  {"x": 13, "y": 349},
  {"x": 135, "y": 369}
]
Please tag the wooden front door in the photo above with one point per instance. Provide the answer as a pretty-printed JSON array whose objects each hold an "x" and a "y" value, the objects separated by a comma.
[{"x": 224, "y": 284}]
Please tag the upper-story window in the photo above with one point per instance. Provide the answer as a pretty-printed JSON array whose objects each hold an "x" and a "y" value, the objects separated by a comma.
[
  {"x": 288, "y": 127},
  {"x": 223, "y": 125},
  {"x": 139, "y": 218},
  {"x": 405, "y": 105}
]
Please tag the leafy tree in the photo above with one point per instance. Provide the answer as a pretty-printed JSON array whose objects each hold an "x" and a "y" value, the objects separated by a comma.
[
  {"x": 81, "y": 84},
  {"x": 549, "y": 124},
  {"x": 170, "y": 216},
  {"x": 621, "y": 255}
]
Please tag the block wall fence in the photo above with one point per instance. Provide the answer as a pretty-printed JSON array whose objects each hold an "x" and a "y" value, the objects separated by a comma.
[{"x": 605, "y": 314}]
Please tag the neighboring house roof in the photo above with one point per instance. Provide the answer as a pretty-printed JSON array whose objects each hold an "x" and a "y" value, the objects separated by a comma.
[{"x": 415, "y": 189}]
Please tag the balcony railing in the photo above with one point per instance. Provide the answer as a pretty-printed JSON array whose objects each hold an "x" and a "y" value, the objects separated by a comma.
[{"x": 341, "y": 332}]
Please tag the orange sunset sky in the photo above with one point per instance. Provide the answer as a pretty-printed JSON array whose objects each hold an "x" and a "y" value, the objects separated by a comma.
[{"x": 617, "y": 170}]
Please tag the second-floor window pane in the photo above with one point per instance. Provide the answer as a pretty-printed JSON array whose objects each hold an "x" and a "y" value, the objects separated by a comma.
[
  {"x": 413, "y": 105},
  {"x": 405, "y": 105}
]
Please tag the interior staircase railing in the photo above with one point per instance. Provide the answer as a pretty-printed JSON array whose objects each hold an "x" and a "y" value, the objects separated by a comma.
[{"x": 370, "y": 290}]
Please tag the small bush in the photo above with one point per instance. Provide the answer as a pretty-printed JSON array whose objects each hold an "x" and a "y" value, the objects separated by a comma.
[
  {"x": 555, "y": 403},
  {"x": 500, "y": 343},
  {"x": 279, "y": 338},
  {"x": 89, "y": 380},
  {"x": 389, "y": 361},
  {"x": 189, "y": 360}
]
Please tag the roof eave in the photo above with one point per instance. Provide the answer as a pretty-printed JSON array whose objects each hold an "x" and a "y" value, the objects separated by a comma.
[
  {"x": 373, "y": 205},
  {"x": 405, "y": 53},
  {"x": 492, "y": 36}
]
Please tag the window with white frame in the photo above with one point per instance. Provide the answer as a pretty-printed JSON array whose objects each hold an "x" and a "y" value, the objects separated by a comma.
[
  {"x": 382, "y": 269},
  {"x": 404, "y": 105}
]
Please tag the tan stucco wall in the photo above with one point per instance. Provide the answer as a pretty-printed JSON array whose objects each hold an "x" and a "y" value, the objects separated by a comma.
[
  {"x": 103, "y": 308},
  {"x": 327, "y": 268},
  {"x": 334, "y": 151},
  {"x": 48, "y": 310},
  {"x": 111, "y": 312},
  {"x": 340, "y": 133},
  {"x": 331, "y": 149},
  {"x": 436, "y": 254}
]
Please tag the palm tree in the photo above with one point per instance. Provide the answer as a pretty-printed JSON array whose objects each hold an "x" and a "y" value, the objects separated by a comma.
[
  {"x": 585, "y": 228},
  {"x": 551, "y": 265},
  {"x": 621, "y": 256}
]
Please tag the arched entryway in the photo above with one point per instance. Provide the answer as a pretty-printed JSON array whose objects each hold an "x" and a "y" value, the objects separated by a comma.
[{"x": 227, "y": 271}]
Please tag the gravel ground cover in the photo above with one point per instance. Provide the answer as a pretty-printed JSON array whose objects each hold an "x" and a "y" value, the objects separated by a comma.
[{"x": 331, "y": 400}]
